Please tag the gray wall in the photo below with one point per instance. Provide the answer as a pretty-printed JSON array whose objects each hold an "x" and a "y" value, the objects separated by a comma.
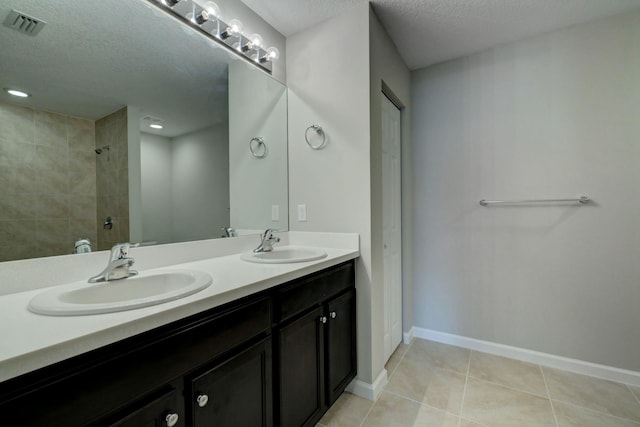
[
  {"x": 185, "y": 185},
  {"x": 389, "y": 71},
  {"x": 328, "y": 82},
  {"x": 549, "y": 117},
  {"x": 257, "y": 108}
]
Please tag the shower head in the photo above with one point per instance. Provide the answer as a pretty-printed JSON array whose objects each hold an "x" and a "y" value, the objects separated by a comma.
[{"x": 99, "y": 150}]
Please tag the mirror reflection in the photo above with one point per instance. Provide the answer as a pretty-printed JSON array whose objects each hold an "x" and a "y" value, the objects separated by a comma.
[{"x": 79, "y": 158}]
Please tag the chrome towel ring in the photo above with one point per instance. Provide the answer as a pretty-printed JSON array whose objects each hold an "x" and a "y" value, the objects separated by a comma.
[
  {"x": 257, "y": 147},
  {"x": 318, "y": 130}
]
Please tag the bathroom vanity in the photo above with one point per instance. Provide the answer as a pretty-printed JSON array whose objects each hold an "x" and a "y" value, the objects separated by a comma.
[{"x": 279, "y": 356}]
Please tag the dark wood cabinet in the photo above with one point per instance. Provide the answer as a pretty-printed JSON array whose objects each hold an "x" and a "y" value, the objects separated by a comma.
[
  {"x": 277, "y": 358},
  {"x": 236, "y": 392},
  {"x": 341, "y": 344},
  {"x": 316, "y": 345},
  {"x": 301, "y": 370},
  {"x": 163, "y": 411}
]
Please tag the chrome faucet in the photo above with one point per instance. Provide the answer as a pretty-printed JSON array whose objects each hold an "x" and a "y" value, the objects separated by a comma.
[
  {"x": 267, "y": 240},
  {"x": 119, "y": 264}
]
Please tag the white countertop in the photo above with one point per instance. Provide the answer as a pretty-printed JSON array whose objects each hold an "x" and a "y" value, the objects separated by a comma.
[{"x": 31, "y": 341}]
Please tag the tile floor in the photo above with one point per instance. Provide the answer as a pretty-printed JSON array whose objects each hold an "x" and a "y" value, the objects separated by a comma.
[{"x": 433, "y": 384}]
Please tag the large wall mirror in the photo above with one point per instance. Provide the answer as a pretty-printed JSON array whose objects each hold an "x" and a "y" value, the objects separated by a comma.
[{"x": 80, "y": 159}]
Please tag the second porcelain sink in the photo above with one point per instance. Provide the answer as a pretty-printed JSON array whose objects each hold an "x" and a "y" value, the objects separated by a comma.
[
  {"x": 119, "y": 295},
  {"x": 284, "y": 255}
]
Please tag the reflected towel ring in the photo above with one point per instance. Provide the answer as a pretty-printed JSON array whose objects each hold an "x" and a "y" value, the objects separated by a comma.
[
  {"x": 319, "y": 131},
  {"x": 255, "y": 148}
]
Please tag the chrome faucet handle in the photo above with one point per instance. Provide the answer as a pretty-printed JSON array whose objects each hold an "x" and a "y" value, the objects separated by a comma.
[
  {"x": 268, "y": 233},
  {"x": 121, "y": 250}
]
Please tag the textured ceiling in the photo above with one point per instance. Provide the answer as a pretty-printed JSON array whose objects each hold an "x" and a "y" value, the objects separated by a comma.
[
  {"x": 95, "y": 56},
  {"x": 431, "y": 31}
]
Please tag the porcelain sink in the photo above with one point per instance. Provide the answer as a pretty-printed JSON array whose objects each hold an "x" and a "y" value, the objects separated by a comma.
[
  {"x": 284, "y": 255},
  {"x": 144, "y": 290}
]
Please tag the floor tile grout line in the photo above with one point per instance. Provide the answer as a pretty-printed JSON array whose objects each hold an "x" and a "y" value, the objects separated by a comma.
[
  {"x": 464, "y": 390},
  {"x": 420, "y": 403},
  {"x": 637, "y": 396},
  {"x": 596, "y": 411},
  {"x": 546, "y": 386},
  {"x": 509, "y": 388},
  {"x": 368, "y": 412}
]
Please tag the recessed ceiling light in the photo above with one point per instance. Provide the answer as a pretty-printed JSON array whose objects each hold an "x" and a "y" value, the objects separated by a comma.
[
  {"x": 17, "y": 93},
  {"x": 156, "y": 126}
]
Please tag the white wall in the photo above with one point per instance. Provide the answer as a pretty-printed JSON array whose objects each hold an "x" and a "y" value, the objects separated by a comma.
[
  {"x": 155, "y": 165},
  {"x": 257, "y": 108},
  {"x": 328, "y": 79},
  {"x": 389, "y": 72},
  {"x": 552, "y": 116},
  {"x": 200, "y": 184}
]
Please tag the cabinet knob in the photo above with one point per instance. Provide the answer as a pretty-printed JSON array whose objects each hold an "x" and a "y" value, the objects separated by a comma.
[
  {"x": 333, "y": 314},
  {"x": 323, "y": 319},
  {"x": 171, "y": 419},
  {"x": 202, "y": 400}
]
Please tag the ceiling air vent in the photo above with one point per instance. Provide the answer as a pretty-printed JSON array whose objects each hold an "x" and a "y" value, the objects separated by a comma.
[{"x": 24, "y": 23}]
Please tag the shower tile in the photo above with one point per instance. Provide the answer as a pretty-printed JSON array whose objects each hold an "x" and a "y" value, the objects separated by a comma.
[
  {"x": 52, "y": 206},
  {"x": 467, "y": 423},
  {"x": 440, "y": 355},
  {"x": 51, "y": 157},
  {"x": 636, "y": 391},
  {"x": 17, "y": 124},
  {"x": 18, "y": 206},
  {"x": 82, "y": 208},
  {"x": 575, "y": 416},
  {"x": 16, "y": 180},
  {"x": 395, "y": 358},
  {"x": 15, "y": 154},
  {"x": 18, "y": 251},
  {"x": 394, "y": 411},
  {"x": 422, "y": 382},
  {"x": 81, "y": 134},
  {"x": 494, "y": 405},
  {"x": 52, "y": 181},
  {"x": 123, "y": 206},
  {"x": 18, "y": 232},
  {"x": 511, "y": 373},
  {"x": 594, "y": 393},
  {"x": 348, "y": 411},
  {"x": 51, "y": 129}
]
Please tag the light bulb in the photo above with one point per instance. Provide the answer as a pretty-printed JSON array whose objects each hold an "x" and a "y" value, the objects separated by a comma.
[
  {"x": 156, "y": 126},
  {"x": 235, "y": 27},
  {"x": 256, "y": 41},
  {"x": 272, "y": 54},
  {"x": 212, "y": 9}
]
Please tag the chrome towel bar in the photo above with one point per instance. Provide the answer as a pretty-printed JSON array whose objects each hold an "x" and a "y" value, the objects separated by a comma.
[{"x": 582, "y": 200}]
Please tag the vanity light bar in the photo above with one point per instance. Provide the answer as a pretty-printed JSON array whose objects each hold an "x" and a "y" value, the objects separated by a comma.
[{"x": 206, "y": 19}]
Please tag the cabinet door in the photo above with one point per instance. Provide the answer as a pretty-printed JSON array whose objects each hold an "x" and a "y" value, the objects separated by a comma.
[
  {"x": 301, "y": 370},
  {"x": 341, "y": 344},
  {"x": 237, "y": 392},
  {"x": 160, "y": 412}
]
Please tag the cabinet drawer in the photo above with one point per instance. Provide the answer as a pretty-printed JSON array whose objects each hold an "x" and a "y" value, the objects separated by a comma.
[{"x": 305, "y": 293}]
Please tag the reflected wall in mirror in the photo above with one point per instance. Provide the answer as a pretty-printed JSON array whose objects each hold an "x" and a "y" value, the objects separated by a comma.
[{"x": 78, "y": 158}]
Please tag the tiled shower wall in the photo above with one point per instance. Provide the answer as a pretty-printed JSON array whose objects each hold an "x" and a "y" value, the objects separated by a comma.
[
  {"x": 47, "y": 182},
  {"x": 112, "y": 179}
]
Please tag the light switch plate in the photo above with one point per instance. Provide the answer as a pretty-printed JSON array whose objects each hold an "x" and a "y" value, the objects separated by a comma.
[
  {"x": 275, "y": 213},
  {"x": 302, "y": 212}
]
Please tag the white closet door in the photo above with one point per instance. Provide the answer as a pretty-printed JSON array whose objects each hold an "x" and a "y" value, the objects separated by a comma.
[{"x": 392, "y": 223}]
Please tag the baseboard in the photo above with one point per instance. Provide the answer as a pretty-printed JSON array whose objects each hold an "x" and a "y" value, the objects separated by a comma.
[
  {"x": 407, "y": 337},
  {"x": 366, "y": 390},
  {"x": 545, "y": 359}
]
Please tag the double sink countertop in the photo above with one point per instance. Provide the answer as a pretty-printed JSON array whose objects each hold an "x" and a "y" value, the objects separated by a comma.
[{"x": 32, "y": 341}]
